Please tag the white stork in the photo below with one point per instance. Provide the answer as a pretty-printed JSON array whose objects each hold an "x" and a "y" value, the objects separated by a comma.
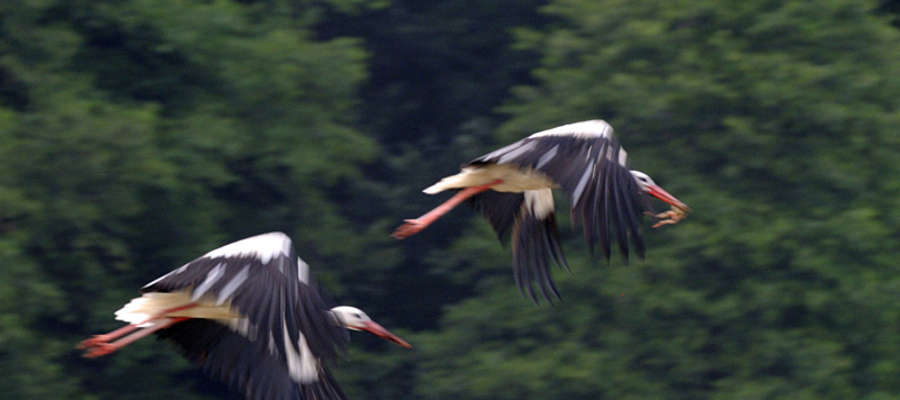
[
  {"x": 249, "y": 315},
  {"x": 512, "y": 186}
]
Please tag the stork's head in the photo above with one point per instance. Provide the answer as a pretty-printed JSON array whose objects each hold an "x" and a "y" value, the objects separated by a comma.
[
  {"x": 648, "y": 186},
  {"x": 356, "y": 320}
]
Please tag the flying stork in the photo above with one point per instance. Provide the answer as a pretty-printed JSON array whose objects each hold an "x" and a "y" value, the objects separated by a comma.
[
  {"x": 512, "y": 186},
  {"x": 248, "y": 314}
]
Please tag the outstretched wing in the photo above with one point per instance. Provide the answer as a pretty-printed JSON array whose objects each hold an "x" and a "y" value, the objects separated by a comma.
[
  {"x": 529, "y": 219},
  {"x": 244, "y": 365},
  {"x": 586, "y": 160},
  {"x": 263, "y": 280}
]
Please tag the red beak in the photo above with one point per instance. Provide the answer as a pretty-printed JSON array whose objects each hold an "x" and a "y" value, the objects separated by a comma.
[
  {"x": 378, "y": 330},
  {"x": 663, "y": 195}
]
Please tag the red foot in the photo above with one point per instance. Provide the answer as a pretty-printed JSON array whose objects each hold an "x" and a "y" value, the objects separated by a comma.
[
  {"x": 411, "y": 227},
  {"x": 100, "y": 349},
  {"x": 94, "y": 341},
  {"x": 414, "y": 226}
]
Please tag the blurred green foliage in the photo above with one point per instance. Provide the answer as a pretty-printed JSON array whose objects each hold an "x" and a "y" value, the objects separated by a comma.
[{"x": 138, "y": 134}]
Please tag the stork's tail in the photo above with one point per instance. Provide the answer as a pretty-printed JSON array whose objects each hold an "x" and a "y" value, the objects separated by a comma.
[
  {"x": 450, "y": 182},
  {"x": 151, "y": 304},
  {"x": 141, "y": 308}
]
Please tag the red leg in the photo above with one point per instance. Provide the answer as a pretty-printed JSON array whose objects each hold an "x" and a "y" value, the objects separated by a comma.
[
  {"x": 97, "y": 340},
  {"x": 102, "y": 349},
  {"x": 106, "y": 337},
  {"x": 414, "y": 226}
]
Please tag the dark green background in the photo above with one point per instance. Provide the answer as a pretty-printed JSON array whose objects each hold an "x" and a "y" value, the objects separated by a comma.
[{"x": 136, "y": 135}]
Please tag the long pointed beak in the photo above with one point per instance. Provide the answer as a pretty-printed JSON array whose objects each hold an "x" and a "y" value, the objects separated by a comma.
[
  {"x": 663, "y": 195},
  {"x": 378, "y": 330}
]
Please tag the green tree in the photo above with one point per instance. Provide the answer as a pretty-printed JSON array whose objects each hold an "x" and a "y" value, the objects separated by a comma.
[
  {"x": 776, "y": 123},
  {"x": 138, "y": 135}
]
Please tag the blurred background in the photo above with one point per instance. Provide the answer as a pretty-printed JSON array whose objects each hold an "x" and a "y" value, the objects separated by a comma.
[{"x": 136, "y": 135}]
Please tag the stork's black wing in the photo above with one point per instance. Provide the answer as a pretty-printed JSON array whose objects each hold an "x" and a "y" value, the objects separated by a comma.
[
  {"x": 588, "y": 162},
  {"x": 245, "y": 365},
  {"x": 500, "y": 209},
  {"x": 263, "y": 280},
  {"x": 535, "y": 239}
]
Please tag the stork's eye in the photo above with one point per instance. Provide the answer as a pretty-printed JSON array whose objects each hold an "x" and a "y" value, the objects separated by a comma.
[{"x": 357, "y": 315}]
